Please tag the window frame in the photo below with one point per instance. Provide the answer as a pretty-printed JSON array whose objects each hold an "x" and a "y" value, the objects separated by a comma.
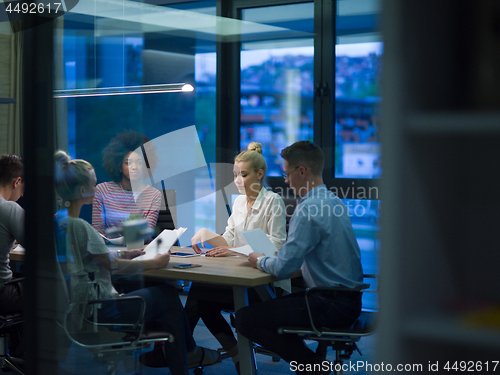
[{"x": 228, "y": 92}]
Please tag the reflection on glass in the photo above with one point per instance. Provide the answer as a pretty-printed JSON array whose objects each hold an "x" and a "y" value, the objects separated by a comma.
[
  {"x": 118, "y": 49},
  {"x": 277, "y": 81},
  {"x": 365, "y": 215}
]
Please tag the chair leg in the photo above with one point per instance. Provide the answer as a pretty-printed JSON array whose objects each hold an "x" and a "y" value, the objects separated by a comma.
[
  {"x": 5, "y": 359},
  {"x": 337, "y": 364},
  {"x": 8, "y": 363},
  {"x": 322, "y": 349}
]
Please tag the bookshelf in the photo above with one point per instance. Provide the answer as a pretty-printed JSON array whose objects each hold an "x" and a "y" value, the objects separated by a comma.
[
  {"x": 440, "y": 256},
  {"x": 7, "y": 101}
]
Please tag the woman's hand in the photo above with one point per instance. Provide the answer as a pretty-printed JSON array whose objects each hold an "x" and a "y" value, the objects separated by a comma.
[
  {"x": 201, "y": 236},
  {"x": 220, "y": 251},
  {"x": 161, "y": 260},
  {"x": 131, "y": 254}
]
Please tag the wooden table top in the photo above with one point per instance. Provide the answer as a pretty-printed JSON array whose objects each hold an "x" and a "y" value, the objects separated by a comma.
[
  {"x": 222, "y": 270},
  {"x": 16, "y": 255}
]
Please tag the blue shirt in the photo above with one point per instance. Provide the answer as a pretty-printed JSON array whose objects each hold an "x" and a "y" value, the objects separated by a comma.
[{"x": 320, "y": 242}]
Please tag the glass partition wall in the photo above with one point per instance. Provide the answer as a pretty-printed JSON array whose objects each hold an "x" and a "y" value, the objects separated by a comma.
[
  {"x": 124, "y": 71},
  {"x": 135, "y": 46},
  {"x": 261, "y": 71}
]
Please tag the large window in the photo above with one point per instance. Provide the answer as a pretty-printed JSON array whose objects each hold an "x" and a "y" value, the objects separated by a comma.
[
  {"x": 277, "y": 88},
  {"x": 358, "y": 68},
  {"x": 292, "y": 87},
  {"x": 357, "y": 156}
]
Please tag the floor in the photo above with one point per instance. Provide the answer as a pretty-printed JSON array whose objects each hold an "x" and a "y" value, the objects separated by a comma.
[{"x": 80, "y": 361}]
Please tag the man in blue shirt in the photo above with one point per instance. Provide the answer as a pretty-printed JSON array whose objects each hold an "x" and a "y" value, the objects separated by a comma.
[{"x": 322, "y": 244}]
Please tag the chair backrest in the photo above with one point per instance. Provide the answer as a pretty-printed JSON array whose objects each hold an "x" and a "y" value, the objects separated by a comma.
[
  {"x": 290, "y": 204},
  {"x": 167, "y": 219}
]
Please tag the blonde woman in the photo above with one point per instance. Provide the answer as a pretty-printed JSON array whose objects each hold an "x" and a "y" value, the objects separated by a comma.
[
  {"x": 256, "y": 207},
  {"x": 75, "y": 184}
]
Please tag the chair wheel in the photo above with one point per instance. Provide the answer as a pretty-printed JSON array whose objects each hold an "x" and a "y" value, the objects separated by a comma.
[{"x": 198, "y": 371}]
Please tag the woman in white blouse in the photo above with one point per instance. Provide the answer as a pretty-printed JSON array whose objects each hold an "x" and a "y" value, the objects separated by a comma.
[{"x": 257, "y": 207}]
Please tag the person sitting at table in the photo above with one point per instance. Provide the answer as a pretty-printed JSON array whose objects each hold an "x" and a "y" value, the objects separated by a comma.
[
  {"x": 322, "y": 244},
  {"x": 256, "y": 207},
  {"x": 75, "y": 184},
  {"x": 126, "y": 196},
  {"x": 11, "y": 229}
]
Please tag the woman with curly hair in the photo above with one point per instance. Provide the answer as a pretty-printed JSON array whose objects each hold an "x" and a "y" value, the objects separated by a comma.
[{"x": 126, "y": 196}]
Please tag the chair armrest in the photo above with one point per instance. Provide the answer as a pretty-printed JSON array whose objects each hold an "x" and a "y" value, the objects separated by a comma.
[
  {"x": 124, "y": 301},
  {"x": 16, "y": 280},
  {"x": 338, "y": 288},
  {"x": 135, "y": 328}
]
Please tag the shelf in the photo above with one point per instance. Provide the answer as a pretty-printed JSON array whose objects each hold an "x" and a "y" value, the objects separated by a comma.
[
  {"x": 453, "y": 123},
  {"x": 7, "y": 101},
  {"x": 450, "y": 330}
]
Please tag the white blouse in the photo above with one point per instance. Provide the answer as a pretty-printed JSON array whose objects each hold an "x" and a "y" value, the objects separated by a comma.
[{"x": 267, "y": 213}]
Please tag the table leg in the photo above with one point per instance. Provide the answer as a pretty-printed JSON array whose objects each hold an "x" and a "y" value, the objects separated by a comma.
[
  {"x": 247, "y": 357},
  {"x": 265, "y": 292}
]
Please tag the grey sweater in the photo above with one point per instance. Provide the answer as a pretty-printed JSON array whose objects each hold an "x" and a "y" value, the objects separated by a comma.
[{"x": 11, "y": 229}]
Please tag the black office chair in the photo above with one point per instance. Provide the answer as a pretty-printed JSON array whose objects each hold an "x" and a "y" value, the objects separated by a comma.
[
  {"x": 10, "y": 323},
  {"x": 167, "y": 217},
  {"x": 290, "y": 205},
  {"x": 343, "y": 341}
]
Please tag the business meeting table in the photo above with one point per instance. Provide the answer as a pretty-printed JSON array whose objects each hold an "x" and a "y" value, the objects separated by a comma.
[{"x": 234, "y": 271}]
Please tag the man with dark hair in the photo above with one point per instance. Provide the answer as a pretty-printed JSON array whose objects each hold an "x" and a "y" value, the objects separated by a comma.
[
  {"x": 11, "y": 228},
  {"x": 321, "y": 243}
]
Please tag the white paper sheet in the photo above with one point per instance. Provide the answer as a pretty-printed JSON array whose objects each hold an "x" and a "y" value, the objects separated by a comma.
[
  {"x": 19, "y": 248},
  {"x": 245, "y": 250},
  {"x": 259, "y": 242},
  {"x": 162, "y": 243}
]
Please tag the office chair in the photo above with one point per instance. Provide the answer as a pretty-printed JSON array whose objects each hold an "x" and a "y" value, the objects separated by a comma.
[
  {"x": 167, "y": 218},
  {"x": 110, "y": 342},
  {"x": 9, "y": 323},
  {"x": 342, "y": 340},
  {"x": 290, "y": 205}
]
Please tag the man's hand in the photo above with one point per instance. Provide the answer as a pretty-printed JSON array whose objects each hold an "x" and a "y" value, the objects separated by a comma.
[{"x": 252, "y": 258}]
